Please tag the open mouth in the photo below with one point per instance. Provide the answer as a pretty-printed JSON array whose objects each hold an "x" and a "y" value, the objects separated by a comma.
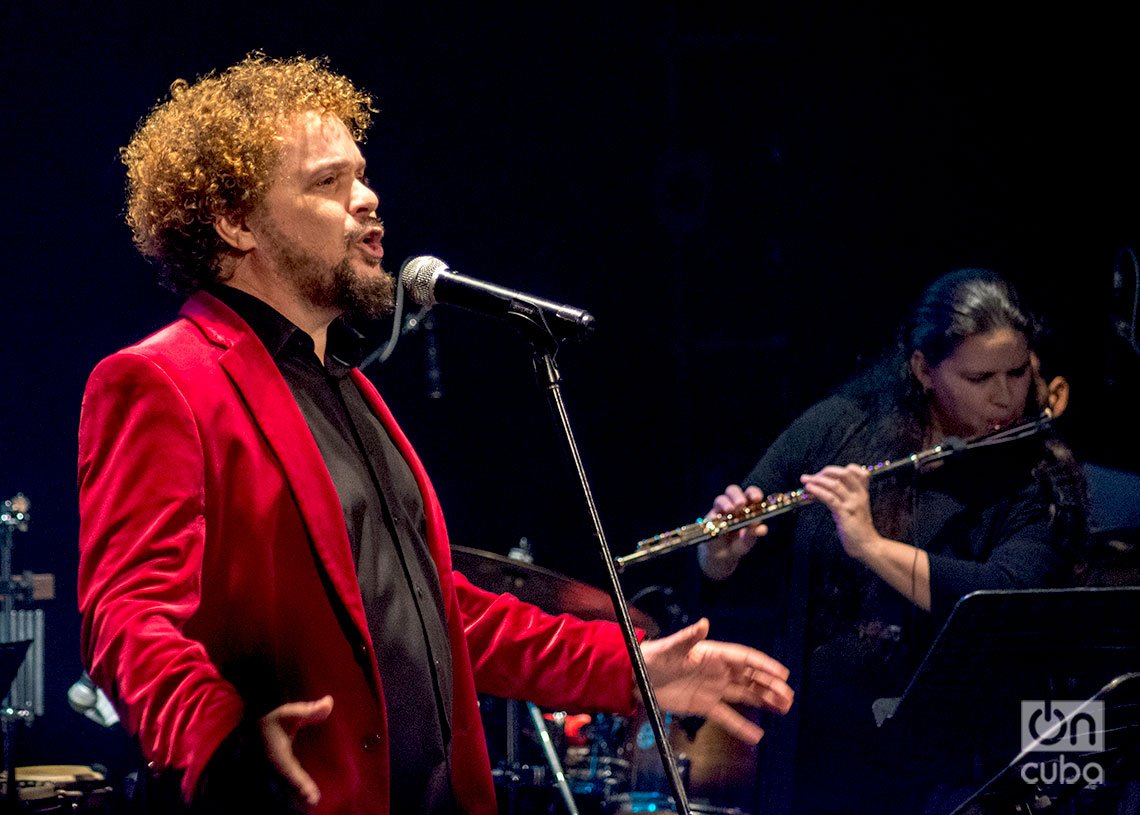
[{"x": 370, "y": 243}]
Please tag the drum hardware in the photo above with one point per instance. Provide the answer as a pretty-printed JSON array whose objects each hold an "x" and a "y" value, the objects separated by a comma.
[
  {"x": 660, "y": 804},
  {"x": 718, "y": 770},
  {"x": 552, "y": 757},
  {"x": 596, "y": 766},
  {"x": 24, "y": 696},
  {"x": 522, "y": 554},
  {"x": 22, "y": 633},
  {"x": 552, "y": 592},
  {"x": 62, "y": 788},
  {"x": 52, "y": 787},
  {"x": 519, "y": 775},
  {"x": 525, "y": 782},
  {"x": 517, "y": 574}
]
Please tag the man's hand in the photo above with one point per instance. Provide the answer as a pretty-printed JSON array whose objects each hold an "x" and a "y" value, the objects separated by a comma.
[
  {"x": 278, "y": 729},
  {"x": 695, "y": 676},
  {"x": 718, "y": 557}
]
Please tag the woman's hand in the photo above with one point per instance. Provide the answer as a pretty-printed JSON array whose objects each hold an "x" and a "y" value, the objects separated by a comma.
[
  {"x": 719, "y": 557},
  {"x": 844, "y": 491}
]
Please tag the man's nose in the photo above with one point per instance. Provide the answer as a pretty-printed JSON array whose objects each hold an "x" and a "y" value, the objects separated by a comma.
[{"x": 364, "y": 200}]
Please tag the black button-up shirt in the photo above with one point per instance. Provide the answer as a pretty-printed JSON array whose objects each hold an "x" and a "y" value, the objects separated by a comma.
[{"x": 384, "y": 513}]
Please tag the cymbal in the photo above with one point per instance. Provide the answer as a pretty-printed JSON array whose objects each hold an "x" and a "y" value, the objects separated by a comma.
[{"x": 550, "y": 591}]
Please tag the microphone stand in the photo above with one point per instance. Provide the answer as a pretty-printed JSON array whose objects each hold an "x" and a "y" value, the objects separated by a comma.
[{"x": 545, "y": 346}]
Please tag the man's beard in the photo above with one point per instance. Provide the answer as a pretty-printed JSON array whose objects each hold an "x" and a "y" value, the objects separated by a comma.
[
  {"x": 340, "y": 287},
  {"x": 354, "y": 294}
]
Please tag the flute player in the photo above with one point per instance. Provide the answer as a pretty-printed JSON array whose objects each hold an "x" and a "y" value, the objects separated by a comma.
[{"x": 875, "y": 566}]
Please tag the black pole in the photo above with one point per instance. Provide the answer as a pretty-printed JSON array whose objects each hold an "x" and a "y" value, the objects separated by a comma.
[
  {"x": 12, "y": 797},
  {"x": 550, "y": 379}
]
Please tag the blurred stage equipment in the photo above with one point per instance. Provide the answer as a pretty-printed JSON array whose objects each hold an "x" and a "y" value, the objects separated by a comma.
[
  {"x": 64, "y": 788},
  {"x": 46, "y": 788},
  {"x": 22, "y": 636},
  {"x": 87, "y": 698},
  {"x": 12, "y": 655},
  {"x": 1125, "y": 312},
  {"x": 600, "y": 764},
  {"x": 552, "y": 592},
  {"x": 18, "y": 620}
]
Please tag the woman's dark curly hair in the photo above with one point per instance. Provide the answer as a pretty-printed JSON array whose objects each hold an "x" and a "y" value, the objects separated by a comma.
[{"x": 210, "y": 150}]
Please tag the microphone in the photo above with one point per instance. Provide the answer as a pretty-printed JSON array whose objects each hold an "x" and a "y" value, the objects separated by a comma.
[
  {"x": 87, "y": 698},
  {"x": 428, "y": 281}
]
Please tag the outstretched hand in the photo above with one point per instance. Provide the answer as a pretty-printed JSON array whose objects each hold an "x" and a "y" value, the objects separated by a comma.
[
  {"x": 692, "y": 675},
  {"x": 278, "y": 729}
]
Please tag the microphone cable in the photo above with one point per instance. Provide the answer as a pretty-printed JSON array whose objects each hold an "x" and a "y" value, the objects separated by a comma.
[{"x": 399, "y": 325}]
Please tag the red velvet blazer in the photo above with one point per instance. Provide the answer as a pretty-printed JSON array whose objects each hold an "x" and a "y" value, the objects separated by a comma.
[{"x": 216, "y": 579}]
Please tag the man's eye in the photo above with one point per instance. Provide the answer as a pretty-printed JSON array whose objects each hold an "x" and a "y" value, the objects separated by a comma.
[{"x": 328, "y": 181}]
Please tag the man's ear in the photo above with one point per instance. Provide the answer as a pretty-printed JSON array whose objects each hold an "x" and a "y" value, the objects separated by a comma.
[
  {"x": 235, "y": 233},
  {"x": 1058, "y": 397},
  {"x": 920, "y": 369}
]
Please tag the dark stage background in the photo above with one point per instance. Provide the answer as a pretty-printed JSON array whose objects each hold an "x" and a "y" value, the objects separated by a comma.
[{"x": 746, "y": 200}]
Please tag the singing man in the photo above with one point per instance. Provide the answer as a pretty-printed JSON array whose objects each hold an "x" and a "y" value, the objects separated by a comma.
[{"x": 265, "y": 577}]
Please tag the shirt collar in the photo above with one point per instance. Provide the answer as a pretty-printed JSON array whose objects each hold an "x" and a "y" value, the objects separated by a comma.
[{"x": 277, "y": 333}]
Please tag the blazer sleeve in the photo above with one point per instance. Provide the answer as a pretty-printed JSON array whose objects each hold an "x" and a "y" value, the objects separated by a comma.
[
  {"x": 142, "y": 535},
  {"x": 520, "y": 652}
]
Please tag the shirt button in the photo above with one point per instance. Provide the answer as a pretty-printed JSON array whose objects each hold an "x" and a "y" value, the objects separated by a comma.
[{"x": 371, "y": 743}]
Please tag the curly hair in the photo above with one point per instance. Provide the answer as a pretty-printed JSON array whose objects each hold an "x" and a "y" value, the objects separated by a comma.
[{"x": 210, "y": 150}]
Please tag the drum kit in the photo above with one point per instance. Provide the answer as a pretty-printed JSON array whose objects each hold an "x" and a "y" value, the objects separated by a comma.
[
  {"x": 601, "y": 764},
  {"x": 63, "y": 788}
]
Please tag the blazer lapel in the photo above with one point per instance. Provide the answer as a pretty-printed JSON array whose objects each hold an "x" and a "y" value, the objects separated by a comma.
[{"x": 276, "y": 414}]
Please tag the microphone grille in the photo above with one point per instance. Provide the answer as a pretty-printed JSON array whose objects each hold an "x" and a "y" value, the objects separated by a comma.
[{"x": 418, "y": 276}]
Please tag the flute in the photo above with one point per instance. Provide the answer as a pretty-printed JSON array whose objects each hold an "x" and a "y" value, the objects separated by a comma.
[{"x": 705, "y": 529}]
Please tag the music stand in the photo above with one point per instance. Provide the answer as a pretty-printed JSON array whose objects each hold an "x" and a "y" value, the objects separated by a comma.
[
  {"x": 12, "y": 656},
  {"x": 1041, "y": 776},
  {"x": 998, "y": 649}
]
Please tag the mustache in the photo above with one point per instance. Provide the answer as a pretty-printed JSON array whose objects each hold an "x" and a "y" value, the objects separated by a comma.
[{"x": 358, "y": 231}]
